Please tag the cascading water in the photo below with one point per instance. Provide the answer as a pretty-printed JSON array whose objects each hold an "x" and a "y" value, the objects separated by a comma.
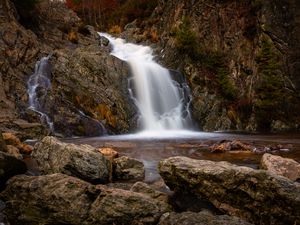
[
  {"x": 160, "y": 99},
  {"x": 38, "y": 85}
]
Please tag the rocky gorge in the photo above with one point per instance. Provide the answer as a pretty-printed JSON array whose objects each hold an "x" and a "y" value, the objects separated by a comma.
[{"x": 240, "y": 60}]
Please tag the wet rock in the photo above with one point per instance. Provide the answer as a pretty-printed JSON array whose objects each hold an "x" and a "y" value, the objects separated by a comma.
[
  {"x": 255, "y": 195},
  {"x": 82, "y": 161},
  {"x": 234, "y": 145},
  {"x": 281, "y": 166},
  {"x": 13, "y": 140},
  {"x": 10, "y": 166},
  {"x": 62, "y": 199},
  {"x": 128, "y": 169},
  {"x": 201, "y": 218}
]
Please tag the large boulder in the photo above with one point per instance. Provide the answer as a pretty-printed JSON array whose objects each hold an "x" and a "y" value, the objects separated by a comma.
[
  {"x": 255, "y": 195},
  {"x": 82, "y": 161},
  {"x": 61, "y": 199},
  {"x": 10, "y": 166},
  {"x": 201, "y": 218},
  {"x": 281, "y": 166}
]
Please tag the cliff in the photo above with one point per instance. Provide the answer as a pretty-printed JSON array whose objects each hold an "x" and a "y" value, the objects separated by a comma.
[
  {"x": 88, "y": 94},
  {"x": 241, "y": 59}
]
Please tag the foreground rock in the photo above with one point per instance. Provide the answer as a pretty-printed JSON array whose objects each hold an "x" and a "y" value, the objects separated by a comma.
[
  {"x": 255, "y": 195},
  {"x": 201, "y": 218},
  {"x": 281, "y": 166},
  {"x": 9, "y": 166},
  {"x": 128, "y": 169},
  {"x": 82, "y": 161},
  {"x": 60, "y": 199}
]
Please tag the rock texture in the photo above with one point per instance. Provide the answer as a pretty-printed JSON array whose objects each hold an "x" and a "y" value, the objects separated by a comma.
[
  {"x": 201, "y": 218},
  {"x": 88, "y": 94},
  {"x": 60, "y": 199},
  {"x": 255, "y": 195},
  {"x": 128, "y": 169},
  {"x": 82, "y": 161},
  {"x": 281, "y": 166},
  {"x": 237, "y": 57}
]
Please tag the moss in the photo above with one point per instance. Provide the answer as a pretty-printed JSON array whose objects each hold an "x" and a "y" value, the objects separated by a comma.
[
  {"x": 270, "y": 94},
  {"x": 186, "y": 39}
]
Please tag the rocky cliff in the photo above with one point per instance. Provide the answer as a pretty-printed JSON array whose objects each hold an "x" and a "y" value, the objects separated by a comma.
[
  {"x": 241, "y": 59},
  {"x": 88, "y": 94}
]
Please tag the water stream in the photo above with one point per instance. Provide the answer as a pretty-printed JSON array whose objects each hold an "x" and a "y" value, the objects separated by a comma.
[{"x": 38, "y": 85}]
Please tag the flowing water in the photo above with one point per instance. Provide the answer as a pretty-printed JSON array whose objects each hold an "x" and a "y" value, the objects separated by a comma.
[
  {"x": 160, "y": 99},
  {"x": 38, "y": 85}
]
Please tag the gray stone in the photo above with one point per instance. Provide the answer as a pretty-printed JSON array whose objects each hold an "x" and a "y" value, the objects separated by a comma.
[
  {"x": 281, "y": 166},
  {"x": 255, "y": 195},
  {"x": 61, "y": 199},
  {"x": 201, "y": 218},
  {"x": 128, "y": 169},
  {"x": 82, "y": 161}
]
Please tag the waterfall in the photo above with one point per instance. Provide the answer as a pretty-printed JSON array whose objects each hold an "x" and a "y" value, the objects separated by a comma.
[
  {"x": 159, "y": 98},
  {"x": 38, "y": 85}
]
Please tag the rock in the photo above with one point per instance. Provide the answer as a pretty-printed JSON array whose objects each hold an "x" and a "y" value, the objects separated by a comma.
[
  {"x": 144, "y": 188},
  {"x": 234, "y": 145},
  {"x": 82, "y": 161},
  {"x": 13, "y": 151},
  {"x": 281, "y": 166},
  {"x": 14, "y": 141},
  {"x": 3, "y": 147},
  {"x": 201, "y": 218},
  {"x": 255, "y": 195},
  {"x": 9, "y": 166},
  {"x": 62, "y": 199},
  {"x": 128, "y": 169}
]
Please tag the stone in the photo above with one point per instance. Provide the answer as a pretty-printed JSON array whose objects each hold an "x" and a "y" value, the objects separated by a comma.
[
  {"x": 13, "y": 151},
  {"x": 201, "y": 218},
  {"x": 3, "y": 147},
  {"x": 12, "y": 140},
  {"x": 281, "y": 166},
  {"x": 82, "y": 161},
  {"x": 128, "y": 169},
  {"x": 61, "y": 199},
  {"x": 257, "y": 196},
  {"x": 10, "y": 166},
  {"x": 234, "y": 145}
]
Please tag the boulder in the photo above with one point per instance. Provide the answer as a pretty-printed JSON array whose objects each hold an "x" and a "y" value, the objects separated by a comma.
[
  {"x": 128, "y": 169},
  {"x": 12, "y": 150},
  {"x": 61, "y": 199},
  {"x": 255, "y": 195},
  {"x": 82, "y": 161},
  {"x": 201, "y": 218},
  {"x": 13, "y": 140},
  {"x": 281, "y": 166},
  {"x": 10, "y": 166}
]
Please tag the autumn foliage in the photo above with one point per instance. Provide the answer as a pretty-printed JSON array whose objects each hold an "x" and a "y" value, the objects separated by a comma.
[{"x": 108, "y": 13}]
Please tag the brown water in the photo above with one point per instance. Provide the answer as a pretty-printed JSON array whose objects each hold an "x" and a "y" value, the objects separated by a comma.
[{"x": 151, "y": 149}]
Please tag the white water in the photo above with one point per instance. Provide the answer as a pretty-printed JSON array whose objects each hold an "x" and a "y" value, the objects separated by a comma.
[
  {"x": 40, "y": 79},
  {"x": 159, "y": 99}
]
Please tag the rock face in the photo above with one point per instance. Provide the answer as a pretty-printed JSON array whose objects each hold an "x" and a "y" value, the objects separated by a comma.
[
  {"x": 10, "y": 166},
  {"x": 60, "y": 199},
  {"x": 82, "y": 161},
  {"x": 255, "y": 195},
  {"x": 88, "y": 94},
  {"x": 201, "y": 218},
  {"x": 237, "y": 57},
  {"x": 128, "y": 169},
  {"x": 281, "y": 166}
]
